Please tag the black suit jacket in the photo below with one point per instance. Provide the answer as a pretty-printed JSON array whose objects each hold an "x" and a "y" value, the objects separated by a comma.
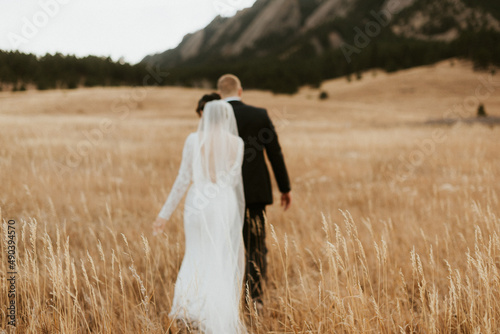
[{"x": 258, "y": 132}]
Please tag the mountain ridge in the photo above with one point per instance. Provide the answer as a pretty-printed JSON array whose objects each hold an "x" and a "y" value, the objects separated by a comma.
[{"x": 275, "y": 33}]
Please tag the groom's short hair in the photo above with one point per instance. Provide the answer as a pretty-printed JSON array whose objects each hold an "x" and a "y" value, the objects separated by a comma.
[{"x": 228, "y": 84}]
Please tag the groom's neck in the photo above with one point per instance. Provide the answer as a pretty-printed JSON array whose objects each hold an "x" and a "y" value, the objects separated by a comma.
[{"x": 232, "y": 98}]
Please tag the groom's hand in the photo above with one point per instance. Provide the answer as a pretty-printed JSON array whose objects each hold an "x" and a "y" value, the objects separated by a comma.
[
  {"x": 158, "y": 225},
  {"x": 286, "y": 200}
]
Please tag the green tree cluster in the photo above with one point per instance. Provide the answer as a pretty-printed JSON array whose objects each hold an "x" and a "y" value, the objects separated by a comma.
[
  {"x": 282, "y": 71},
  {"x": 66, "y": 71}
]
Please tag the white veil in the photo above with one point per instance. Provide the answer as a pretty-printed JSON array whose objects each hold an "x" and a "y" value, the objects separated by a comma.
[
  {"x": 217, "y": 176},
  {"x": 218, "y": 142}
]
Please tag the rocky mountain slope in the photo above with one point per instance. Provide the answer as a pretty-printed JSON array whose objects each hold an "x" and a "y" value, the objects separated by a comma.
[{"x": 276, "y": 34}]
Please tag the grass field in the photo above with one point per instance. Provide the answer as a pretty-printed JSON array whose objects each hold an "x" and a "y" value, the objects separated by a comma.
[{"x": 394, "y": 226}]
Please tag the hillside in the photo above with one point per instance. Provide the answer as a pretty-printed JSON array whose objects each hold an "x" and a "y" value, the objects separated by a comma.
[
  {"x": 413, "y": 95},
  {"x": 282, "y": 44}
]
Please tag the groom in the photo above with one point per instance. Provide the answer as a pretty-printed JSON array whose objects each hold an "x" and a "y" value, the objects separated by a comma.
[{"x": 258, "y": 133}]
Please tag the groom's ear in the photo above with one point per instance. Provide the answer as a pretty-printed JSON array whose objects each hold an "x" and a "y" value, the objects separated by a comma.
[{"x": 240, "y": 92}]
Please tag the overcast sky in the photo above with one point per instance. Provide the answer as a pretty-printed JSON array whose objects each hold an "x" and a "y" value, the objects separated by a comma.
[{"x": 118, "y": 28}]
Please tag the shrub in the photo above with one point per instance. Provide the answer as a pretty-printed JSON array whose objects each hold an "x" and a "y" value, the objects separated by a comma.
[{"x": 481, "y": 112}]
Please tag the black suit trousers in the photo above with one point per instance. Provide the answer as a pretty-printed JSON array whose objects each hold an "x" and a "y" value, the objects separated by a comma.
[{"x": 254, "y": 236}]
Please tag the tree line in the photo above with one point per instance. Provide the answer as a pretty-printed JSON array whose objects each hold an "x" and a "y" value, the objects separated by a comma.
[
  {"x": 19, "y": 70},
  {"x": 271, "y": 72},
  {"x": 305, "y": 67}
]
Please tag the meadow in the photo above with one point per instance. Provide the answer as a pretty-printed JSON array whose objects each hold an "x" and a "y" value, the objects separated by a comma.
[{"x": 394, "y": 225}]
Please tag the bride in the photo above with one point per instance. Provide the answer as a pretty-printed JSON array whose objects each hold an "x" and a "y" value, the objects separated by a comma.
[{"x": 209, "y": 284}]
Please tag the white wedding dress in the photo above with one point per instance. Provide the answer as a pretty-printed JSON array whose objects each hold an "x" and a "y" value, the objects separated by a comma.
[{"x": 209, "y": 284}]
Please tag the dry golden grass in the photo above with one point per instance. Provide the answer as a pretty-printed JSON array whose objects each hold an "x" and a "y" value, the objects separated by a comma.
[{"x": 372, "y": 244}]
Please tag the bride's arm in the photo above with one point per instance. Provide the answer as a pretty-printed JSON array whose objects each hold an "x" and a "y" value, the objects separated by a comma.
[{"x": 179, "y": 188}]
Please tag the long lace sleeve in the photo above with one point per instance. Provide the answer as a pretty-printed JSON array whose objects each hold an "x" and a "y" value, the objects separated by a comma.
[{"x": 182, "y": 181}]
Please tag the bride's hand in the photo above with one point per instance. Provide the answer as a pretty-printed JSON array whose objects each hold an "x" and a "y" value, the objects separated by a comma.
[{"x": 158, "y": 225}]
